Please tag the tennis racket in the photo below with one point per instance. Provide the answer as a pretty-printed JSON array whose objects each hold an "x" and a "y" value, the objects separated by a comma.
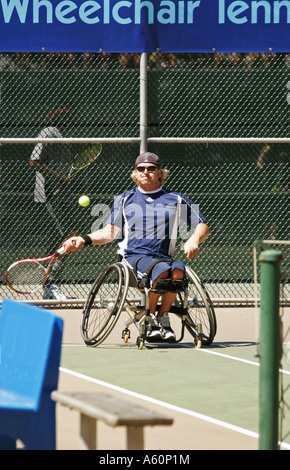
[
  {"x": 29, "y": 275},
  {"x": 84, "y": 159}
]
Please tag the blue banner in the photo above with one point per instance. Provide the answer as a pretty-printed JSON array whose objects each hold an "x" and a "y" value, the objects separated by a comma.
[{"x": 144, "y": 26}]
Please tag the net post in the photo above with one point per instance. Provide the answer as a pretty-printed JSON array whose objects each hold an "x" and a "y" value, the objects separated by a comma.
[
  {"x": 143, "y": 102},
  {"x": 270, "y": 350}
]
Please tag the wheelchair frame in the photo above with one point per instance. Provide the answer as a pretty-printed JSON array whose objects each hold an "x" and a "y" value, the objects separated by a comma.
[{"x": 109, "y": 297}]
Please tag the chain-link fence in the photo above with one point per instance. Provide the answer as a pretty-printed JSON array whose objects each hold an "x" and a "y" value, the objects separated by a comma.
[{"x": 242, "y": 189}]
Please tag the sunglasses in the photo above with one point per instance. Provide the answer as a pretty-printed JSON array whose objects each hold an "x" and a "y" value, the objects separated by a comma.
[{"x": 149, "y": 168}]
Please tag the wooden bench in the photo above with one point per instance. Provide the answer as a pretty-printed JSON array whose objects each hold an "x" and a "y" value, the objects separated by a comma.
[{"x": 113, "y": 411}]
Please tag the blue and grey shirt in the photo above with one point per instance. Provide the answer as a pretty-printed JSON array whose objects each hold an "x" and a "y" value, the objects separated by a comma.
[{"x": 150, "y": 221}]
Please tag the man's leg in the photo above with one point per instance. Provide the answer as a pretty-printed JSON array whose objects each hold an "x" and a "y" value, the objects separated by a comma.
[
  {"x": 153, "y": 298},
  {"x": 162, "y": 270},
  {"x": 169, "y": 297},
  {"x": 162, "y": 319}
]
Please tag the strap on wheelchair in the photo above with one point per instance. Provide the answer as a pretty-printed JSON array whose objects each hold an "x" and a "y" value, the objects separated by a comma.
[
  {"x": 145, "y": 280},
  {"x": 171, "y": 285}
]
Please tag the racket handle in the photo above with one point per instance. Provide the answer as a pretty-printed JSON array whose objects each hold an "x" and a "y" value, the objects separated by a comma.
[{"x": 60, "y": 252}]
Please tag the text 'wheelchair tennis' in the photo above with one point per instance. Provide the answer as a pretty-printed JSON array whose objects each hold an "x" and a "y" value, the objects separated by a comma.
[{"x": 117, "y": 290}]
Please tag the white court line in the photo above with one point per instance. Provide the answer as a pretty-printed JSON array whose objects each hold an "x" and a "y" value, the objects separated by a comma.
[
  {"x": 227, "y": 356},
  {"x": 246, "y": 361},
  {"x": 167, "y": 405}
]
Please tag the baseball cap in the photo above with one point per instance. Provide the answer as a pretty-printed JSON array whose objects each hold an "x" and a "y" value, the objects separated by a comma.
[{"x": 148, "y": 157}]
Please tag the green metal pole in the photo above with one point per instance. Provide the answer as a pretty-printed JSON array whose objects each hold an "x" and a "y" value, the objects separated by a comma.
[{"x": 270, "y": 349}]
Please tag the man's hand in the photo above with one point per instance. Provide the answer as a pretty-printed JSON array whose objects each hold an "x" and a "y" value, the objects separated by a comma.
[
  {"x": 191, "y": 249},
  {"x": 191, "y": 245},
  {"x": 73, "y": 244}
]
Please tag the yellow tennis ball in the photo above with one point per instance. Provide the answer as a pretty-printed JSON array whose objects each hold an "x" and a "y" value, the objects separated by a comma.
[{"x": 84, "y": 201}]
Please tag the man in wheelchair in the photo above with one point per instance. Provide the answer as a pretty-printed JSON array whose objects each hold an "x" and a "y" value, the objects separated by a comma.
[{"x": 146, "y": 220}]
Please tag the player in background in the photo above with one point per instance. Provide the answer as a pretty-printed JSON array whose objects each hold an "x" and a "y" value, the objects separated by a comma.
[{"x": 51, "y": 163}]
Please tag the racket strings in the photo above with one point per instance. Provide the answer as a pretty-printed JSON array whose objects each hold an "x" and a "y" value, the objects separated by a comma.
[
  {"x": 87, "y": 157},
  {"x": 26, "y": 276}
]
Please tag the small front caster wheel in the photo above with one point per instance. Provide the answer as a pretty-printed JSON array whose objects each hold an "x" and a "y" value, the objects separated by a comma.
[
  {"x": 140, "y": 342},
  {"x": 126, "y": 338},
  {"x": 198, "y": 343}
]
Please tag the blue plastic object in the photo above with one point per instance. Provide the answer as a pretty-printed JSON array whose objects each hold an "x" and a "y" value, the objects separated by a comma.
[{"x": 30, "y": 348}]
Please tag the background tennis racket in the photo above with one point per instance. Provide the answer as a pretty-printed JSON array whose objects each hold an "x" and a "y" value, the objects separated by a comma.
[
  {"x": 84, "y": 159},
  {"x": 29, "y": 275}
]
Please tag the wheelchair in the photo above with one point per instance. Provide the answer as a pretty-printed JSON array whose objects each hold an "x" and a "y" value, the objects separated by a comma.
[{"x": 117, "y": 290}]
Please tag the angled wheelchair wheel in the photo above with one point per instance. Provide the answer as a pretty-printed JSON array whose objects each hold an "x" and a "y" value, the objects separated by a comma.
[
  {"x": 104, "y": 304},
  {"x": 201, "y": 320}
]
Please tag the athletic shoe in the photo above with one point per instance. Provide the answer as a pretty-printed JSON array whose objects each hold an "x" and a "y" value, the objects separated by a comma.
[
  {"x": 167, "y": 332},
  {"x": 153, "y": 332},
  {"x": 53, "y": 292}
]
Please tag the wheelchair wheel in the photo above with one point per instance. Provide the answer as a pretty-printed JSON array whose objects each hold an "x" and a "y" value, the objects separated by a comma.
[
  {"x": 104, "y": 304},
  {"x": 201, "y": 320}
]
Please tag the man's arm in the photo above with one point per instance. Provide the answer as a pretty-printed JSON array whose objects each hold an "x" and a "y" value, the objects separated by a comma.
[
  {"x": 191, "y": 245},
  {"x": 99, "y": 237},
  {"x": 43, "y": 168}
]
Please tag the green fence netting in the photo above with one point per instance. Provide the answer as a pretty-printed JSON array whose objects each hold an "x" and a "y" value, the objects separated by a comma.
[{"x": 242, "y": 189}]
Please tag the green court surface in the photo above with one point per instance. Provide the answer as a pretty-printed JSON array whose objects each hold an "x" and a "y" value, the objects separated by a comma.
[
  {"x": 216, "y": 384},
  {"x": 212, "y": 385}
]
